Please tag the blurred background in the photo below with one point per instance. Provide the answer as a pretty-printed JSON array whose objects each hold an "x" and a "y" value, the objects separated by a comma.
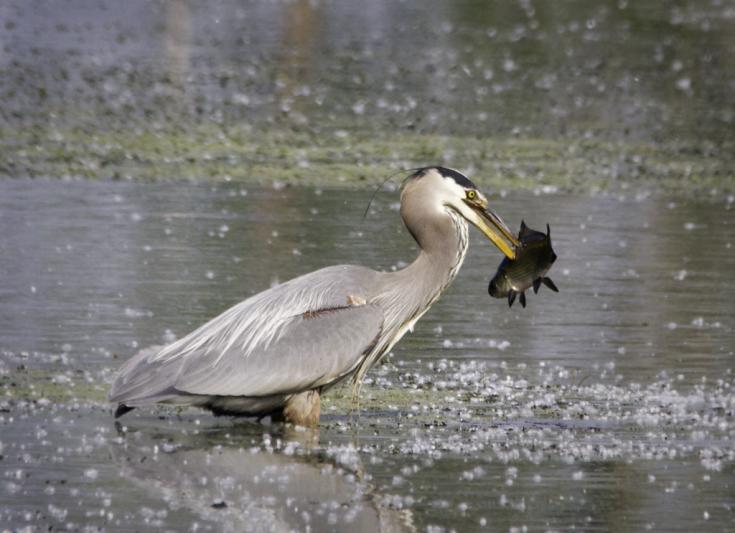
[{"x": 524, "y": 91}]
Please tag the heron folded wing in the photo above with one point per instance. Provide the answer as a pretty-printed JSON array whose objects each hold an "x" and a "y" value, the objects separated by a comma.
[
  {"x": 312, "y": 349},
  {"x": 137, "y": 379},
  {"x": 233, "y": 351}
]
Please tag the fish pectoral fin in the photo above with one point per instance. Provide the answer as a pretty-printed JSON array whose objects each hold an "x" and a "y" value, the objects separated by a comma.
[
  {"x": 523, "y": 299},
  {"x": 511, "y": 298},
  {"x": 550, "y": 284},
  {"x": 536, "y": 285}
]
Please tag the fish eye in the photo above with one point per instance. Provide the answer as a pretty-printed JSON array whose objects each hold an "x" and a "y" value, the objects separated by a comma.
[{"x": 471, "y": 195}]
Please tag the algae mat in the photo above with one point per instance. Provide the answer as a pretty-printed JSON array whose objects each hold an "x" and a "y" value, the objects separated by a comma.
[{"x": 584, "y": 96}]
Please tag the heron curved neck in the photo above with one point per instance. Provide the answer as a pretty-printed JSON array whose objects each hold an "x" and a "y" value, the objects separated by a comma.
[
  {"x": 407, "y": 294},
  {"x": 443, "y": 245}
]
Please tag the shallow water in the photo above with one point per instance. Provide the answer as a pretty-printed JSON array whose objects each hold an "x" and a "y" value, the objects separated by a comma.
[{"x": 607, "y": 405}]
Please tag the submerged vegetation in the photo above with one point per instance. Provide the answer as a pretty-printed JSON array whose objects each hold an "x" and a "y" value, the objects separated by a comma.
[
  {"x": 583, "y": 97},
  {"x": 446, "y": 398},
  {"x": 211, "y": 153},
  {"x": 513, "y": 440}
]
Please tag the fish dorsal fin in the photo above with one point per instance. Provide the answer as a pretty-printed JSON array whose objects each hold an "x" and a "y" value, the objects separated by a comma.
[
  {"x": 522, "y": 299},
  {"x": 550, "y": 284},
  {"x": 525, "y": 230},
  {"x": 548, "y": 231},
  {"x": 511, "y": 298},
  {"x": 536, "y": 285}
]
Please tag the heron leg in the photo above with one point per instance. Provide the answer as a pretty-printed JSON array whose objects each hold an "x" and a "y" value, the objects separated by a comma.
[{"x": 303, "y": 409}]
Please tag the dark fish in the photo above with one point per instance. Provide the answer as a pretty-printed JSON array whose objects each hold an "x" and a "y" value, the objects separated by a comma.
[{"x": 533, "y": 260}]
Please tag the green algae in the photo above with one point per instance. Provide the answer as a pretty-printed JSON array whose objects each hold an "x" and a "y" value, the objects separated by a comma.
[
  {"x": 210, "y": 153},
  {"x": 22, "y": 387},
  {"x": 62, "y": 387},
  {"x": 67, "y": 386}
]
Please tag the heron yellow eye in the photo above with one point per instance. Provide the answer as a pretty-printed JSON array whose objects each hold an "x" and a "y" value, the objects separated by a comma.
[{"x": 471, "y": 195}]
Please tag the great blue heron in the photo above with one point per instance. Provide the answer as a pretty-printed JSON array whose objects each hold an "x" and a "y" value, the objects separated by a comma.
[{"x": 278, "y": 351}]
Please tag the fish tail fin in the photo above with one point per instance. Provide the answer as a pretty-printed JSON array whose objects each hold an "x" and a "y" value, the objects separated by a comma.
[{"x": 550, "y": 284}]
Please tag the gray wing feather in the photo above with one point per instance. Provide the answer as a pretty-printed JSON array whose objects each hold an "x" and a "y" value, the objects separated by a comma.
[
  {"x": 294, "y": 336},
  {"x": 138, "y": 379},
  {"x": 311, "y": 352}
]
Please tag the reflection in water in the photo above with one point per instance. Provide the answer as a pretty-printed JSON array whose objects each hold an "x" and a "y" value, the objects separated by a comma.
[
  {"x": 282, "y": 482},
  {"x": 301, "y": 26},
  {"x": 176, "y": 38}
]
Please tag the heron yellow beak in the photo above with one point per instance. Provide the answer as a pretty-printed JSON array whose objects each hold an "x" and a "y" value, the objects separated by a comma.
[{"x": 493, "y": 227}]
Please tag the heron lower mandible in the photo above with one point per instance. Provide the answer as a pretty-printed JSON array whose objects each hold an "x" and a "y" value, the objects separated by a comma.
[{"x": 278, "y": 351}]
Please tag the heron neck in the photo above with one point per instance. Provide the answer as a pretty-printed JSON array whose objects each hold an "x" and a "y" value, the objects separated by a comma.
[
  {"x": 443, "y": 249},
  {"x": 433, "y": 270},
  {"x": 407, "y": 294}
]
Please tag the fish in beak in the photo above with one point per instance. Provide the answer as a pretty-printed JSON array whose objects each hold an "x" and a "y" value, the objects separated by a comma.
[{"x": 532, "y": 262}]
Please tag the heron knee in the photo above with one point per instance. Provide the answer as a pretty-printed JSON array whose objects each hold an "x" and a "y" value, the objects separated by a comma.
[{"x": 303, "y": 409}]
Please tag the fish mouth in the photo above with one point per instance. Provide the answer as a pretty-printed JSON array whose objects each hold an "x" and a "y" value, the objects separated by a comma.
[
  {"x": 494, "y": 290},
  {"x": 493, "y": 227}
]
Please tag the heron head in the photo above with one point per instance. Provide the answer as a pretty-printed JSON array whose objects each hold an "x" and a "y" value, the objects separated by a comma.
[{"x": 442, "y": 188}]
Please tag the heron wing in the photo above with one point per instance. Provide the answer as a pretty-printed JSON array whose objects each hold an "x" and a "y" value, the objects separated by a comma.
[
  {"x": 312, "y": 350},
  {"x": 302, "y": 334}
]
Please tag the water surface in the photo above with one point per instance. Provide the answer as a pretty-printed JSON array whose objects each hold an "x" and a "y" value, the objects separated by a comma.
[{"x": 607, "y": 405}]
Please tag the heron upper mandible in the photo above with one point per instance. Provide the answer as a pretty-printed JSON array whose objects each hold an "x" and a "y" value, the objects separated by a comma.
[{"x": 278, "y": 351}]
